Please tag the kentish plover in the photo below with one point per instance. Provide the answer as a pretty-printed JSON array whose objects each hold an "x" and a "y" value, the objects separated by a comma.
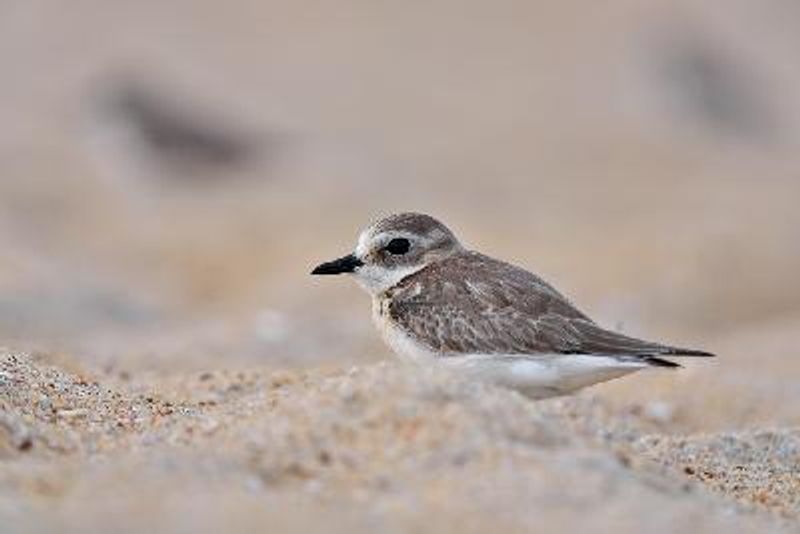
[{"x": 436, "y": 301}]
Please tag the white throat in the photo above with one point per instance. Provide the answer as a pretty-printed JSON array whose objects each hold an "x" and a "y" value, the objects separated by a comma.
[{"x": 376, "y": 279}]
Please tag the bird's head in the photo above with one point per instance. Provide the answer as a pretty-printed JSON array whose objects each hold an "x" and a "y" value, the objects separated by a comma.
[{"x": 393, "y": 248}]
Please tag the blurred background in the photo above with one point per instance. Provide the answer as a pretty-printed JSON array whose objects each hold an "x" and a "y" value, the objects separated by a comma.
[{"x": 171, "y": 171}]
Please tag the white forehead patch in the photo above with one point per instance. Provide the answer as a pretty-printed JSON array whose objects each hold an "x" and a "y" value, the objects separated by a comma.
[{"x": 362, "y": 247}]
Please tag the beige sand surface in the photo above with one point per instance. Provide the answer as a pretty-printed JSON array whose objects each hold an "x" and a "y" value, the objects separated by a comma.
[{"x": 378, "y": 446}]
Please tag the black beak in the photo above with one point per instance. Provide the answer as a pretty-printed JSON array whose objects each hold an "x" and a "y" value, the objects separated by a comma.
[{"x": 347, "y": 264}]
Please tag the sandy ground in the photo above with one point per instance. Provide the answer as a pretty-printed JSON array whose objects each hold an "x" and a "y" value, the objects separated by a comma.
[
  {"x": 378, "y": 446},
  {"x": 169, "y": 174}
]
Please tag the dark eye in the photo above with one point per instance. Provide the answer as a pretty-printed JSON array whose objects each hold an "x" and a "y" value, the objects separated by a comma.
[{"x": 398, "y": 245}]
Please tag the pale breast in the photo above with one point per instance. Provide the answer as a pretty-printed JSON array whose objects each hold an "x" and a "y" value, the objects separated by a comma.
[{"x": 395, "y": 336}]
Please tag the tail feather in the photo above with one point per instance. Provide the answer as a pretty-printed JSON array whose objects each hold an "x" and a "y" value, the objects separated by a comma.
[
  {"x": 657, "y": 361},
  {"x": 654, "y": 361},
  {"x": 675, "y": 351}
]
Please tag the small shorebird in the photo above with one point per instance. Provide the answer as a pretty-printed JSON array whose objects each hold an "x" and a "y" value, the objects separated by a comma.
[{"x": 436, "y": 301}]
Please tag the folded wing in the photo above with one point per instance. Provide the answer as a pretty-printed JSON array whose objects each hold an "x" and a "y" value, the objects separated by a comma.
[{"x": 477, "y": 305}]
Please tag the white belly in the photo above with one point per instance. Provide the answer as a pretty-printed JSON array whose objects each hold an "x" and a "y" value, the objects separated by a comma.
[
  {"x": 536, "y": 376},
  {"x": 541, "y": 376}
]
